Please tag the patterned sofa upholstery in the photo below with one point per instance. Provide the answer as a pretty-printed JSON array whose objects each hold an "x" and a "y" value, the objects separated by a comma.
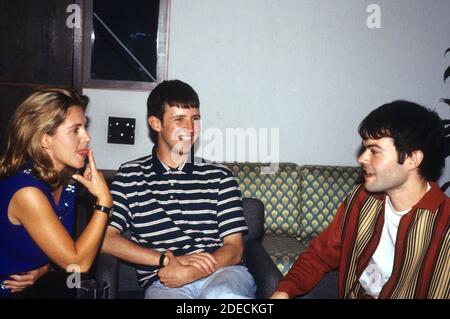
[{"x": 300, "y": 201}]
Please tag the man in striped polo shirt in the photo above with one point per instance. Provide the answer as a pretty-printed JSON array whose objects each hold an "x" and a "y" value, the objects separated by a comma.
[
  {"x": 390, "y": 237},
  {"x": 185, "y": 215}
]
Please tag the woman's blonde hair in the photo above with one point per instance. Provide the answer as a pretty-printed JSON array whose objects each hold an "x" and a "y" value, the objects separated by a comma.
[{"x": 41, "y": 113}]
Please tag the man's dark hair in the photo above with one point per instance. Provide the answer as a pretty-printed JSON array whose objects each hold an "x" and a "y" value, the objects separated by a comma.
[
  {"x": 412, "y": 127},
  {"x": 173, "y": 93}
]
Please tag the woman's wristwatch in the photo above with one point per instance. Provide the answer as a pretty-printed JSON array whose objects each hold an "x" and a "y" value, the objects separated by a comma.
[{"x": 101, "y": 208}]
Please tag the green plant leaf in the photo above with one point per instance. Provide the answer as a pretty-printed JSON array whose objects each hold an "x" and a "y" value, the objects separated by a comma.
[
  {"x": 446, "y": 146},
  {"x": 446, "y": 73},
  {"x": 447, "y": 129},
  {"x": 445, "y": 186}
]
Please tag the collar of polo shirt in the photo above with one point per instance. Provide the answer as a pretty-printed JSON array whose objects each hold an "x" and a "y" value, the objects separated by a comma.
[{"x": 160, "y": 168}]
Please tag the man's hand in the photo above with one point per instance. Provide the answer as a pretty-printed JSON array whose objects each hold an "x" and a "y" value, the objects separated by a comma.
[
  {"x": 203, "y": 261},
  {"x": 21, "y": 281},
  {"x": 279, "y": 295},
  {"x": 175, "y": 274}
]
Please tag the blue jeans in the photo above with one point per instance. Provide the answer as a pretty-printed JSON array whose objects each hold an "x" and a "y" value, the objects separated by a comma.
[{"x": 232, "y": 282}]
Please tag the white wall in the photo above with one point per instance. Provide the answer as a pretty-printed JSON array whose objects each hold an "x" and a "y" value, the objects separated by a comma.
[{"x": 311, "y": 68}]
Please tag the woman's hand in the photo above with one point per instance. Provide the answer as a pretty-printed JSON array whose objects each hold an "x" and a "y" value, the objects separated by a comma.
[
  {"x": 24, "y": 280},
  {"x": 94, "y": 181}
]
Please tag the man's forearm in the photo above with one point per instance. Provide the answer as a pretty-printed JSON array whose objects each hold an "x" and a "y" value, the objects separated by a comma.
[
  {"x": 231, "y": 252},
  {"x": 227, "y": 255},
  {"x": 117, "y": 245}
]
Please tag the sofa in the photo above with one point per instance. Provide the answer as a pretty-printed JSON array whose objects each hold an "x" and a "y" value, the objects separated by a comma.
[{"x": 300, "y": 201}]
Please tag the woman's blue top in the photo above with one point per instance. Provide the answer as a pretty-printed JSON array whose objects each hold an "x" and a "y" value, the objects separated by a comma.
[{"x": 18, "y": 252}]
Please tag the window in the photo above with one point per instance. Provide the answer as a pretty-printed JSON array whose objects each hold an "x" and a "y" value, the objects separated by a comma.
[{"x": 125, "y": 43}]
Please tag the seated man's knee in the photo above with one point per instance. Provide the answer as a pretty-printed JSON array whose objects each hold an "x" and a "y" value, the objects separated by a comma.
[
  {"x": 158, "y": 291},
  {"x": 233, "y": 282}
]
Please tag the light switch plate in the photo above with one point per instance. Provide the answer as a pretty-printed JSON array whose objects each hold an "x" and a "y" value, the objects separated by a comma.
[{"x": 121, "y": 130}]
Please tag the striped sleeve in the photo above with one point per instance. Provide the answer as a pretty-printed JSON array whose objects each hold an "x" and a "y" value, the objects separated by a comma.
[
  {"x": 121, "y": 214},
  {"x": 230, "y": 214}
]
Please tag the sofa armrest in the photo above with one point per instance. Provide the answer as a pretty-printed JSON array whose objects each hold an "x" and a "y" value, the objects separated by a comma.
[
  {"x": 262, "y": 268},
  {"x": 256, "y": 258},
  {"x": 254, "y": 218}
]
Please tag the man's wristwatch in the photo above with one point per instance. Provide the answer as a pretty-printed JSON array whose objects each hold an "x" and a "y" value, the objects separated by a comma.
[{"x": 161, "y": 259}]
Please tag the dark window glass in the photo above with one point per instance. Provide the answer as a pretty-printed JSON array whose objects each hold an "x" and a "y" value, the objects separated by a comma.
[{"x": 124, "y": 40}]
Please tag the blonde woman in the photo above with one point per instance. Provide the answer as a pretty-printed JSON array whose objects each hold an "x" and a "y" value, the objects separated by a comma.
[{"x": 47, "y": 143}]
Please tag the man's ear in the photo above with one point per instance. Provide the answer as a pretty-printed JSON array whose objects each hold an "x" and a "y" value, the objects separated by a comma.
[
  {"x": 414, "y": 159},
  {"x": 155, "y": 123}
]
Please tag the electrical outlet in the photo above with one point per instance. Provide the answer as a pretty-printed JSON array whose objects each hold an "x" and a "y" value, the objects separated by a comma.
[{"x": 121, "y": 130}]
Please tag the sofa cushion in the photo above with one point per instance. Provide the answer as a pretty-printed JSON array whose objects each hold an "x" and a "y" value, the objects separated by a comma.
[
  {"x": 323, "y": 190},
  {"x": 278, "y": 188},
  {"x": 283, "y": 250}
]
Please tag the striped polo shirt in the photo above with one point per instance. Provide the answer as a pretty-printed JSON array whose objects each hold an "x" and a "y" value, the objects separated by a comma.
[{"x": 186, "y": 210}]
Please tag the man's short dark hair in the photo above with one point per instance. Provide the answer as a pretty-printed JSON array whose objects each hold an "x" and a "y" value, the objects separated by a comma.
[
  {"x": 412, "y": 127},
  {"x": 173, "y": 93}
]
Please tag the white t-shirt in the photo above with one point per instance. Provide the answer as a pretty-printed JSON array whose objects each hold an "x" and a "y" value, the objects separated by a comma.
[{"x": 379, "y": 269}]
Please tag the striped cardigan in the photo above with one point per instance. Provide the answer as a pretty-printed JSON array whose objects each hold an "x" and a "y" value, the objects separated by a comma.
[{"x": 422, "y": 253}]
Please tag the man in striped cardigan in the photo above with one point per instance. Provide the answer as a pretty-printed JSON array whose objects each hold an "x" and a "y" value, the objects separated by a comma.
[{"x": 390, "y": 237}]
